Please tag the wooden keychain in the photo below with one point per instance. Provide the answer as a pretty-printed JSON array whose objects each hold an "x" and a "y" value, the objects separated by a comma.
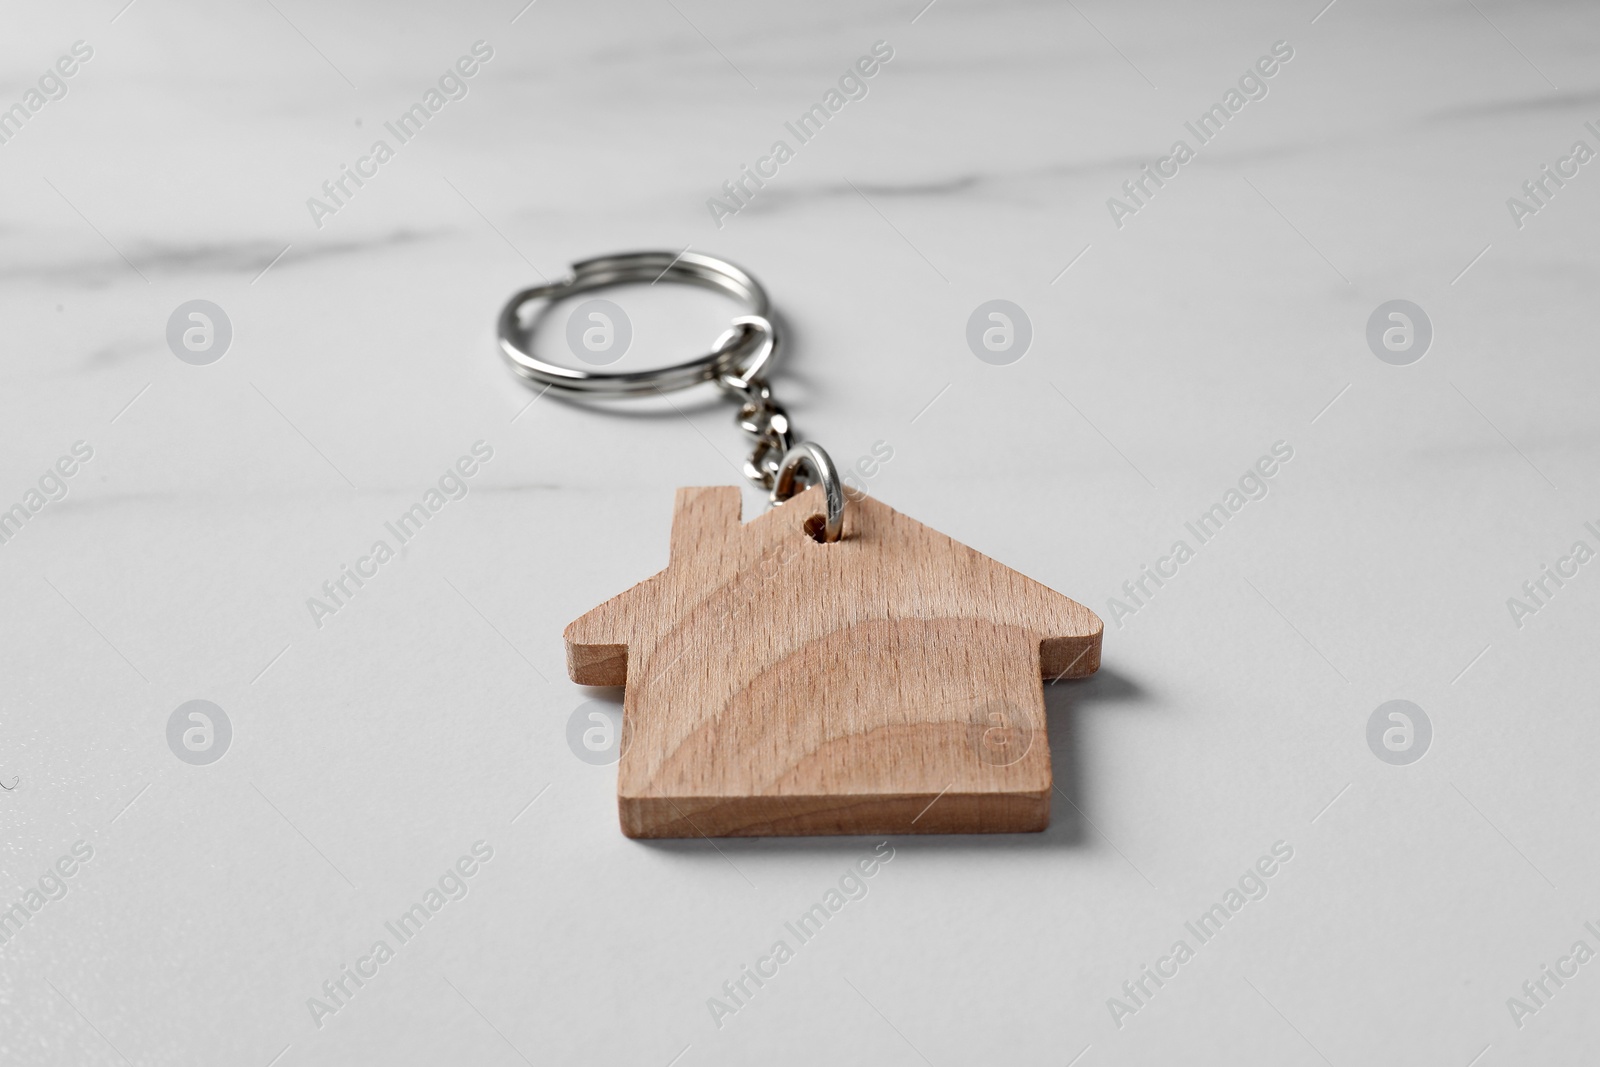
[{"x": 829, "y": 667}]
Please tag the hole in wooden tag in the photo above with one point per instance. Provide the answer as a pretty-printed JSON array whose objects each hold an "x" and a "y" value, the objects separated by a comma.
[{"x": 814, "y": 527}]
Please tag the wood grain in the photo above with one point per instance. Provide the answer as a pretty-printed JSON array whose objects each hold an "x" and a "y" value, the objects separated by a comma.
[{"x": 887, "y": 683}]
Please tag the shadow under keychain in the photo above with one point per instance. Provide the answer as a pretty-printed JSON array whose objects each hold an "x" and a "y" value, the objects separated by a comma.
[{"x": 831, "y": 666}]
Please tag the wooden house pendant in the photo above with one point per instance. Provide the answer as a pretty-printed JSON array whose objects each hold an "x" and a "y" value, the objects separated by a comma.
[{"x": 889, "y": 682}]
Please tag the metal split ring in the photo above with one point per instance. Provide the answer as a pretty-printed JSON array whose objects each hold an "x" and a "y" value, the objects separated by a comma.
[
  {"x": 827, "y": 475},
  {"x": 738, "y": 364},
  {"x": 743, "y": 354}
]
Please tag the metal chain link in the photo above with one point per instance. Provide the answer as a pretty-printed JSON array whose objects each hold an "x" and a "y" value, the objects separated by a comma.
[
  {"x": 760, "y": 417},
  {"x": 771, "y": 436},
  {"x": 780, "y": 466},
  {"x": 776, "y": 464}
]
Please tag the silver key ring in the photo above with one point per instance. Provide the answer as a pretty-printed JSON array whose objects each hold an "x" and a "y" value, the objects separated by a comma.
[
  {"x": 743, "y": 354},
  {"x": 738, "y": 364}
]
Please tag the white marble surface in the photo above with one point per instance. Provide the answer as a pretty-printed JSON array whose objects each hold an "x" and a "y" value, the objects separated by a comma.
[{"x": 1226, "y": 315}]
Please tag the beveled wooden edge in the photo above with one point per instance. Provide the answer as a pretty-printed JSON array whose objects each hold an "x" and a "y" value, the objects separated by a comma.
[
  {"x": 597, "y": 664},
  {"x": 834, "y": 814}
]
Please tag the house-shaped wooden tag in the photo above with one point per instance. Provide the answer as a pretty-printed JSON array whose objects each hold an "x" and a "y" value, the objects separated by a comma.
[{"x": 889, "y": 682}]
